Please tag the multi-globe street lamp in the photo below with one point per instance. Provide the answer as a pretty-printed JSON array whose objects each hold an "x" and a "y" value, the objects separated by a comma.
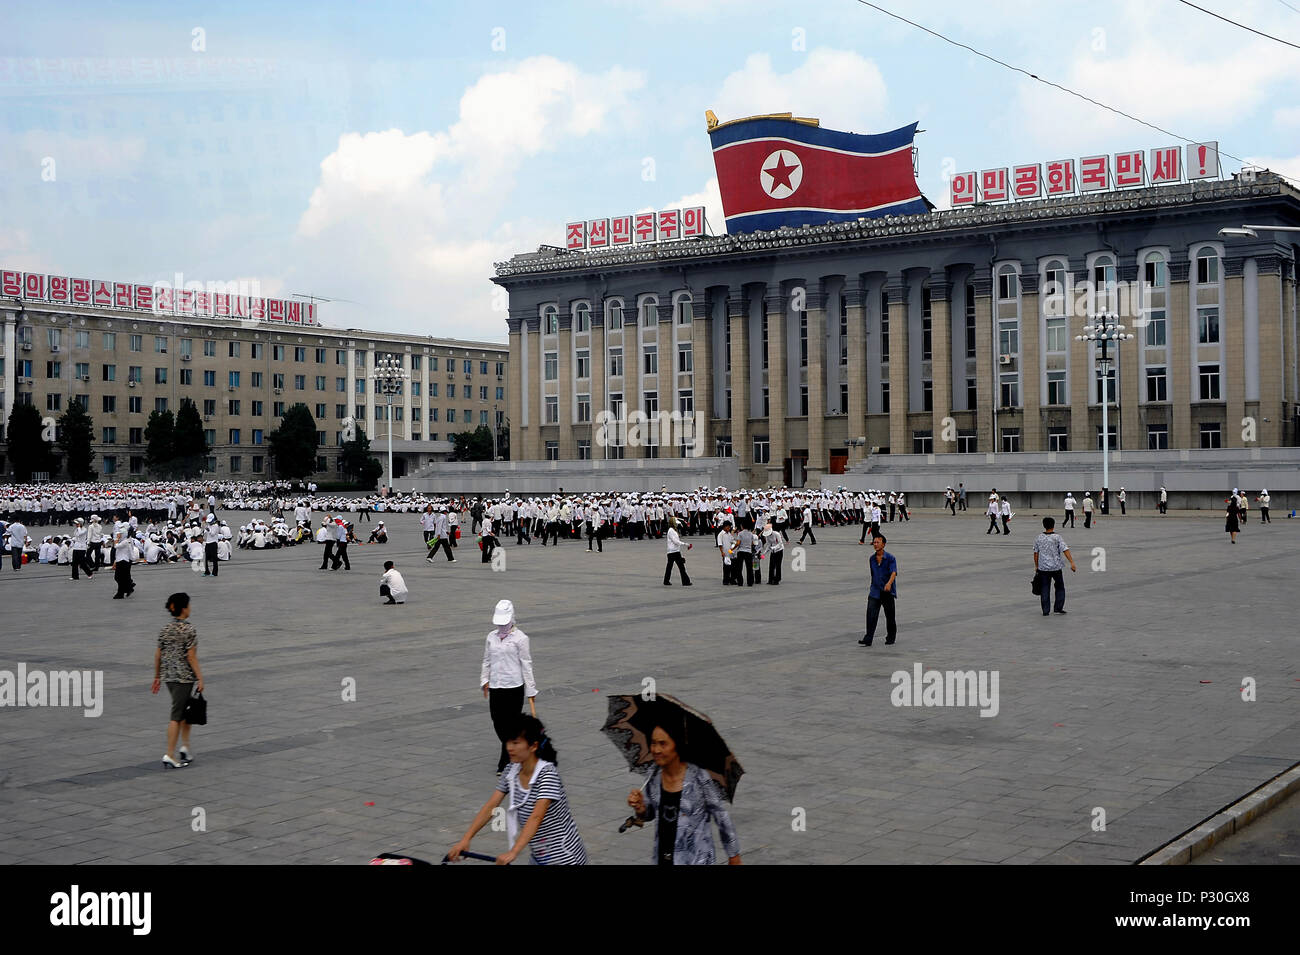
[
  {"x": 389, "y": 376},
  {"x": 1104, "y": 331}
]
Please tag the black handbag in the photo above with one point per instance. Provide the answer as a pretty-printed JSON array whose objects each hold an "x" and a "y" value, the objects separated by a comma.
[
  {"x": 196, "y": 710},
  {"x": 1036, "y": 585}
]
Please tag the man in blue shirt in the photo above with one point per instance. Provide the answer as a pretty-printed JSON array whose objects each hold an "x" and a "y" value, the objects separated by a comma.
[{"x": 884, "y": 590}]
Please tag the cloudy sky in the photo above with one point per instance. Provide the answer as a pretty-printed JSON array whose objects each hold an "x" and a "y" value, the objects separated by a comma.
[{"x": 385, "y": 154}]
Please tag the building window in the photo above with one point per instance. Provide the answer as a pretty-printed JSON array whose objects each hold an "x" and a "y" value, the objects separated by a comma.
[
  {"x": 277, "y": 409},
  {"x": 764, "y": 334},
  {"x": 110, "y": 436},
  {"x": 581, "y": 321},
  {"x": 685, "y": 358},
  {"x": 616, "y": 363},
  {"x": 551, "y": 364},
  {"x": 613, "y": 315},
  {"x": 844, "y": 398},
  {"x": 1109, "y": 386},
  {"x": 884, "y": 397},
  {"x": 844, "y": 330},
  {"x": 1010, "y": 440},
  {"x": 234, "y": 406},
  {"x": 187, "y": 376},
  {"x": 767, "y": 405},
  {"x": 110, "y": 341},
  {"x": 1157, "y": 437},
  {"x": 1010, "y": 385},
  {"x": 616, "y": 405},
  {"x": 134, "y": 404},
  {"x": 110, "y": 373},
  {"x": 210, "y": 379},
  {"x": 584, "y": 408},
  {"x": 320, "y": 384},
  {"x": 1207, "y": 269},
  {"x": 160, "y": 344},
  {"x": 257, "y": 463},
  {"x": 1008, "y": 338},
  {"x": 972, "y": 393},
  {"x": 552, "y": 410},
  {"x": 54, "y": 369},
  {"x": 210, "y": 436},
  {"x": 927, "y": 395},
  {"x": 160, "y": 376},
  {"x": 1008, "y": 286},
  {"x": 160, "y": 404},
  {"x": 803, "y": 338},
  {"x": 1209, "y": 376},
  {"x": 299, "y": 353},
  {"x": 469, "y": 367},
  {"x": 1207, "y": 326},
  {"x": 135, "y": 373},
  {"x": 1058, "y": 439},
  {"x": 209, "y": 349},
  {"x": 320, "y": 359},
  {"x": 1156, "y": 328},
  {"x": 650, "y": 365},
  {"x": 922, "y": 442},
  {"x": 1057, "y": 337},
  {"x": 136, "y": 343},
  {"x": 299, "y": 382},
  {"x": 110, "y": 464},
  {"x": 1114, "y": 437},
  {"x": 321, "y": 439},
  {"x": 257, "y": 351},
  {"x": 233, "y": 349},
  {"x": 552, "y": 450},
  {"x": 584, "y": 366},
  {"x": 209, "y": 406},
  {"x": 584, "y": 449},
  {"x": 467, "y": 391},
  {"x": 686, "y": 403},
  {"x": 360, "y": 382},
  {"x": 234, "y": 379},
  {"x": 1157, "y": 384},
  {"x": 683, "y": 308},
  {"x": 320, "y": 411},
  {"x": 1056, "y": 390},
  {"x": 501, "y": 394},
  {"x": 649, "y": 313},
  {"x": 136, "y": 435},
  {"x": 966, "y": 441},
  {"x": 234, "y": 436},
  {"x": 136, "y": 463},
  {"x": 762, "y": 449},
  {"x": 803, "y": 400},
  {"x": 258, "y": 435},
  {"x": 652, "y": 404},
  {"x": 482, "y": 392}
]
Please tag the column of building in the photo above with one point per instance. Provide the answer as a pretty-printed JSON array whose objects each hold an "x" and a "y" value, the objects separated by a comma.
[
  {"x": 1030, "y": 364},
  {"x": 1181, "y": 385},
  {"x": 663, "y": 434},
  {"x": 943, "y": 425},
  {"x": 405, "y": 431},
  {"x": 900, "y": 437},
  {"x": 702, "y": 378},
  {"x": 986, "y": 350},
  {"x": 1232, "y": 372},
  {"x": 775, "y": 304},
  {"x": 515, "y": 380},
  {"x": 1083, "y": 366},
  {"x": 1126, "y": 419},
  {"x": 599, "y": 386},
  {"x": 857, "y": 368},
  {"x": 738, "y": 316},
  {"x": 568, "y": 446},
  {"x": 534, "y": 447},
  {"x": 818, "y": 369}
]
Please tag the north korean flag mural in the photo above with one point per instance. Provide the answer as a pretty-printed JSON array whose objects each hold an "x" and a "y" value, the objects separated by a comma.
[{"x": 778, "y": 171}]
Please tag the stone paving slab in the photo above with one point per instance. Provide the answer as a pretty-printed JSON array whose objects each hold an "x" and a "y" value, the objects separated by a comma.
[{"x": 1132, "y": 703}]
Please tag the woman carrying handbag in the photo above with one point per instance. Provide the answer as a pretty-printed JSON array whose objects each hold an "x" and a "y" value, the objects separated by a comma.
[{"x": 176, "y": 663}]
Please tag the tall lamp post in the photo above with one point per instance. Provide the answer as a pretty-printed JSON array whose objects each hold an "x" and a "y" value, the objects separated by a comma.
[
  {"x": 1104, "y": 331},
  {"x": 389, "y": 376}
]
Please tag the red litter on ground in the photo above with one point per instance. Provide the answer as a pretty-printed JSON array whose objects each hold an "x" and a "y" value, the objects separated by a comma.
[
  {"x": 1207, "y": 681},
  {"x": 369, "y": 804},
  {"x": 1058, "y": 724}
]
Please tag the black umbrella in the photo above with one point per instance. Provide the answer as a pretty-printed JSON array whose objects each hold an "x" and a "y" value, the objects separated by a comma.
[{"x": 631, "y": 720}]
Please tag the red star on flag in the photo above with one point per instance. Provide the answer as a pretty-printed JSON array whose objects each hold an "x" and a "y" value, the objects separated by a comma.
[{"x": 780, "y": 173}]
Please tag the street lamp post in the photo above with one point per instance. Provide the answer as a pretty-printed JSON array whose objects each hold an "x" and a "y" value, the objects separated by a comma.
[
  {"x": 1105, "y": 330},
  {"x": 389, "y": 375}
]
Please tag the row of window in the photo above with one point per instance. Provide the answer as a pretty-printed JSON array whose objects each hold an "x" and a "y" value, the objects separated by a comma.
[{"x": 1058, "y": 439}]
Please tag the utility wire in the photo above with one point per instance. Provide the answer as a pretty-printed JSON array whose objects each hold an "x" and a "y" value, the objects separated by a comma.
[
  {"x": 1056, "y": 86},
  {"x": 1267, "y": 36}
]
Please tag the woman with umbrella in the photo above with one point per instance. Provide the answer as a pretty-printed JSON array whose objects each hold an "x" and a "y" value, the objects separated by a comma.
[
  {"x": 537, "y": 815},
  {"x": 682, "y": 792}
]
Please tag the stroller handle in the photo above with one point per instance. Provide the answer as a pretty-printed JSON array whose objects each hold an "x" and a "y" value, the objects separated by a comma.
[{"x": 470, "y": 855}]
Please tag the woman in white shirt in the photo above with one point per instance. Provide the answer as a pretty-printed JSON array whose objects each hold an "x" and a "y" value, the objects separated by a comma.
[{"x": 507, "y": 674}]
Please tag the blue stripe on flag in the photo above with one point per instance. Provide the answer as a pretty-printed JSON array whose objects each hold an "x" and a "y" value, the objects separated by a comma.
[
  {"x": 814, "y": 135},
  {"x": 766, "y": 221}
]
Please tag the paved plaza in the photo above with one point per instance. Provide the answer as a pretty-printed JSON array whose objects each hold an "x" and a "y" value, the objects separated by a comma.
[{"x": 1131, "y": 704}]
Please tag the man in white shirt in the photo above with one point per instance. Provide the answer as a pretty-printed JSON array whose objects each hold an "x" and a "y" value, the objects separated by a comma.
[
  {"x": 391, "y": 585},
  {"x": 17, "y": 541},
  {"x": 1069, "y": 509},
  {"x": 80, "y": 545},
  {"x": 211, "y": 534},
  {"x": 341, "y": 545},
  {"x": 808, "y": 524},
  {"x": 675, "y": 555}
]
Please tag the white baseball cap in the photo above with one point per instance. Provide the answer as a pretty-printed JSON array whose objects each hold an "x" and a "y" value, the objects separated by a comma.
[{"x": 504, "y": 613}]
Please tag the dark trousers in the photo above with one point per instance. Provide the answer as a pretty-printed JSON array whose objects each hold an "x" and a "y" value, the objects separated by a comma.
[
  {"x": 680, "y": 561},
  {"x": 451, "y": 534},
  {"x": 329, "y": 555},
  {"x": 1068, "y": 519},
  {"x": 522, "y": 531},
  {"x": 96, "y": 557},
  {"x": 891, "y": 512},
  {"x": 808, "y": 532},
  {"x": 774, "y": 569},
  {"x": 17, "y": 554},
  {"x": 440, "y": 545},
  {"x": 341, "y": 555},
  {"x": 79, "y": 560},
  {"x": 1087, "y": 518},
  {"x": 210, "y": 558},
  {"x": 363, "y": 516},
  {"x": 874, "y": 605},
  {"x": 1006, "y": 525},
  {"x": 122, "y": 574},
  {"x": 490, "y": 543},
  {"x": 597, "y": 534},
  {"x": 737, "y": 571},
  {"x": 993, "y": 525},
  {"x": 1164, "y": 506},
  {"x": 952, "y": 506},
  {"x": 504, "y": 705},
  {"x": 1122, "y": 509},
  {"x": 386, "y": 591},
  {"x": 748, "y": 561},
  {"x": 1047, "y": 578},
  {"x": 866, "y": 526},
  {"x": 1263, "y": 516}
]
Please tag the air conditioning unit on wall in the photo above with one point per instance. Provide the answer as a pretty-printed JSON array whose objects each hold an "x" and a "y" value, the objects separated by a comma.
[{"x": 1004, "y": 359}]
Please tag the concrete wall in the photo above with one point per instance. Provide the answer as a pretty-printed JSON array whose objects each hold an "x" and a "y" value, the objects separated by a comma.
[{"x": 543, "y": 477}]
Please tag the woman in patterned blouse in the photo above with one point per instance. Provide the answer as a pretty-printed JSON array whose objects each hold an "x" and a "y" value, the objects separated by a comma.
[
  {"x": 537, "y": 814},
  {"x": 176, "y": 663},
  {"x": 684, "y": 797}
]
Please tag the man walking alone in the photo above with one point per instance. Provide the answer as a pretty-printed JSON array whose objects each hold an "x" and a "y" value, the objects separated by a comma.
[
  {"x": 1050, "y": 554},
  {"x": 884, "y": 590}
]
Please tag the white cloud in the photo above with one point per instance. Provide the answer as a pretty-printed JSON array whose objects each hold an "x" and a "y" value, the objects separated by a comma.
[
  {"x": 397, "y": 220},
  {"x": 839, "y": 87},
  {"x": 710, "y": 197},
  {"x": 1287, "y": 116}
]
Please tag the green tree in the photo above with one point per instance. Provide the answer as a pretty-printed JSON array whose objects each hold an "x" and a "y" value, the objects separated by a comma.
[
  {"x": 76, "y": 432},
  {"x": 189, "y": 446},
  {"x": 160, "y": 437},
  {"x": 27, "y": 450},
  {"x": 358, "y": 463},
  {"x": 473, "y": 445},
  {"x": 293, "y": 444}
]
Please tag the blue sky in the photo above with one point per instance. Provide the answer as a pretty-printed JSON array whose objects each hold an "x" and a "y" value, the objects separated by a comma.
[{"x": 386, "y": 153}]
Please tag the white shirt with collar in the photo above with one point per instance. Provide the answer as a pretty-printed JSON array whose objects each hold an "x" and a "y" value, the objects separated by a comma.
[{"x": 508, "y": 662}]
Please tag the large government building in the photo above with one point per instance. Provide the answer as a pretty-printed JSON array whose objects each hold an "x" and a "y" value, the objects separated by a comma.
[
  {"x": 124, "y": 364},
  {"x": 801, "y": 350}
]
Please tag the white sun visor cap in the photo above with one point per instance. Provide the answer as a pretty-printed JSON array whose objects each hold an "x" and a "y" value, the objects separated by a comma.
[{"x": 504, "y": 613}]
